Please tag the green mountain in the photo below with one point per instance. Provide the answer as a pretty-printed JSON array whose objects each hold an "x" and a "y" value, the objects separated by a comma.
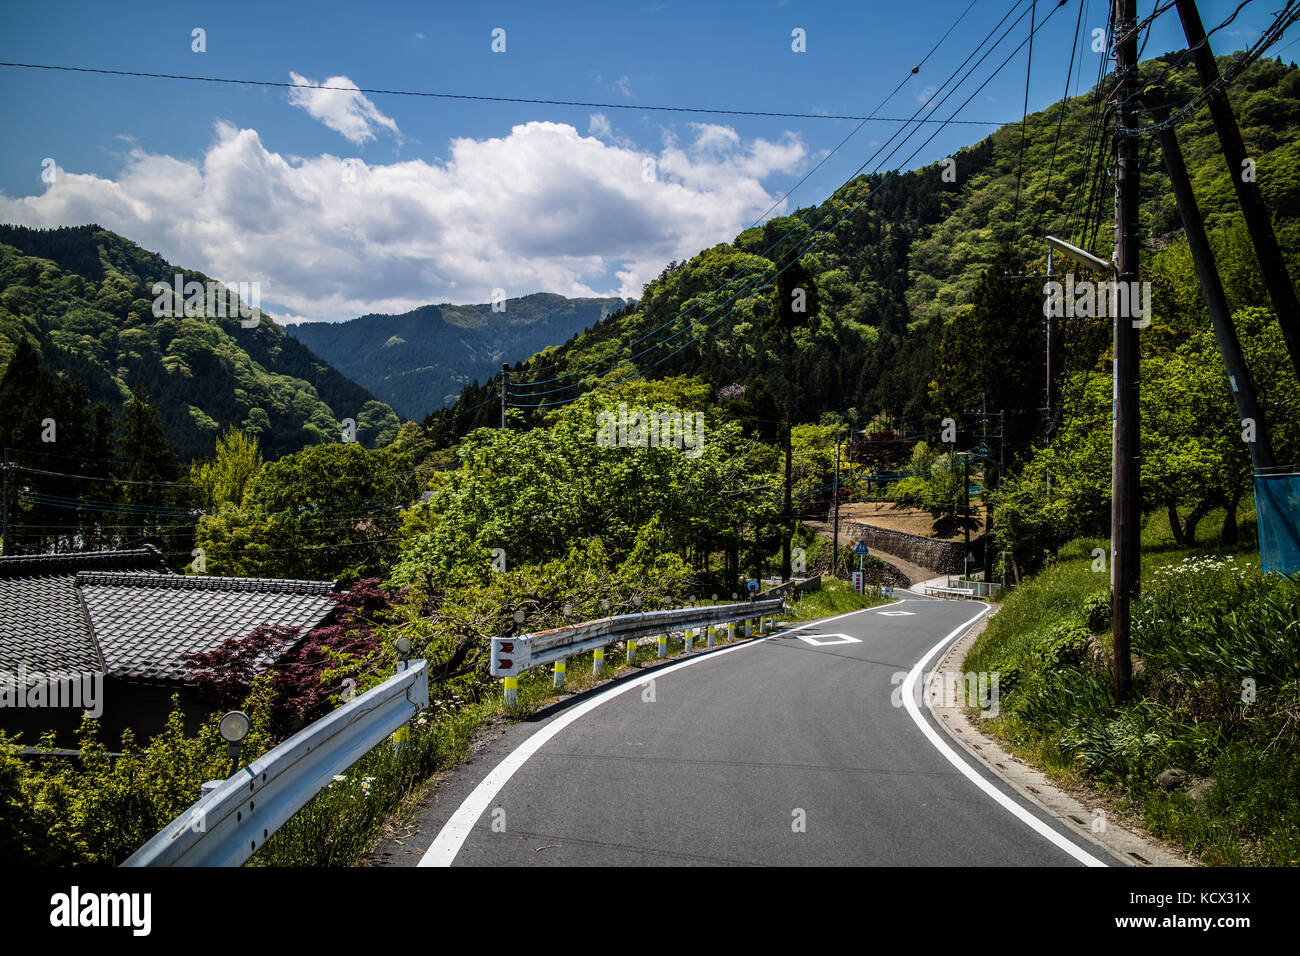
[
  {"x": 419, "y": 361},
  {"x": 901, "y": 259},
  {"x": 84, "y": 297}
]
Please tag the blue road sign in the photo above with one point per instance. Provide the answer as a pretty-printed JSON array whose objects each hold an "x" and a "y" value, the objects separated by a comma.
[{"x": 861, "y": 548}]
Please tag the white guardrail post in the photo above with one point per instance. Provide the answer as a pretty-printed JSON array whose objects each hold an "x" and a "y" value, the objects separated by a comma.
[
  {"x": 511, "y": 656},
  {"x": 236, "y": 816}
]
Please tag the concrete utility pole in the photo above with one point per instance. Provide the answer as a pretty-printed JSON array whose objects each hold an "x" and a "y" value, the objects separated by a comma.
[
  {"x": 1050, "y": 275},
  {"x": 835, "y": 554},
  {"x": 965, "y": 490},
  {"x": 1234, "y": 362},
  {"x": 505, "y": 391},
  {"x": 1126, "y": 492},
  {"x": 4, "y": 506},
  {"x": 1258, "y": 221}
]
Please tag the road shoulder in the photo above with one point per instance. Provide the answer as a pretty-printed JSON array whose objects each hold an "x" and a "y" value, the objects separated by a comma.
[{"x": 1122, "y": 845}]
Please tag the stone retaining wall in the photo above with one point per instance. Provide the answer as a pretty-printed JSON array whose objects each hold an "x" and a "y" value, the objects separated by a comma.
[{"x": 942, "y": 557}]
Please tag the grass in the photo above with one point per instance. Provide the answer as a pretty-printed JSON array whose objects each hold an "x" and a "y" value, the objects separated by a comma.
[
  {"x": 834, "y": 597},
  {"x": 1216, "y": 650}
]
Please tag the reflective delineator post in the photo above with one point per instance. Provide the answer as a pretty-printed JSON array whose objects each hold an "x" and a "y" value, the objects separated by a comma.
[
  {"x": 631, "y": 650},
  {"x": 690, "y": 639},
  {"x": 559, "y": 673},
  {"x": 710, "y": 637},
  {"x": 512, "y": 689},
  {"x": 663, "y": 646},
  {"x": 598, "y": 661},
  {"x": 731, "y": 630},
  {"x": 748, "y": 626}
]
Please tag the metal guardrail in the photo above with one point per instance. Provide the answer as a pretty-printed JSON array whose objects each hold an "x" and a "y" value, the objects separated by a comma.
[
  {"x": 795, "y": 587},
  {"x": 977, "y": 587},
  {"x": 227, "y": 825},
  {"x": 511, "y": 656}
]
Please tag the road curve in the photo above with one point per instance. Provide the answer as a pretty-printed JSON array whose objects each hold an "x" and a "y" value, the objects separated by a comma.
[{"x": 791, "y": 750}]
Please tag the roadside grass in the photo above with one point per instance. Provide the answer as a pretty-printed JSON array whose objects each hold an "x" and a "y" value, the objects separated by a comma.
[
  {"x": 1216, "y": 649},
  {"x": 834, "y": 597}
]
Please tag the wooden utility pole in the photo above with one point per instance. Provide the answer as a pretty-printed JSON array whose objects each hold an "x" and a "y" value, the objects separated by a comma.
[
  {"x": 1126, "y": 492},
  {"x": 505, "y": 391},
  {"x": 1240, "y": 171},
  {"x": 1234, "y": 362}
]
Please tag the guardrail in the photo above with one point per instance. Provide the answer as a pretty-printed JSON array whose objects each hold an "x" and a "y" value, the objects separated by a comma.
[
  {"x": 936, "y": 590},
  {"x": 227, "y": 825},
  {"x": 511, "y": 656},
  {"x": 795, "y": 587},
  {"x": 978, "y": 587}
]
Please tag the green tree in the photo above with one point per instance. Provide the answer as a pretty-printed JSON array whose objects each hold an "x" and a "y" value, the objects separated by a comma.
[{"x": 795, "y": 306}]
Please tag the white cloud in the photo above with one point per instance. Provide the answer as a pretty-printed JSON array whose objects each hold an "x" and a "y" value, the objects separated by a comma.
[
  {"x": 340, "y": 105},
  {"x": 543, "y": 208},
  {"x": 623, "y": 85},
  {"x": 598, "y": 126}
]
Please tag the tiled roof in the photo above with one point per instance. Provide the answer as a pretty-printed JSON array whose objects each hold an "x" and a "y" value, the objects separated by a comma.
[
  {"x": 124, "y": 613},
  {"x": 147, "y": 558},
  {"x": 43, "y": 626},
  {"x": 143, "y": 623}
]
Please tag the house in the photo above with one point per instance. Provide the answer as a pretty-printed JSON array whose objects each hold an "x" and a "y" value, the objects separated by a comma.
[{"x": 103, "y": 632}]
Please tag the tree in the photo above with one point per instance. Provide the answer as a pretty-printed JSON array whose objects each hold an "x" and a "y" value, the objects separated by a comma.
[
  {"x": 795, "y": 306},
  {"x": 329, "y": 511},
  {"x": 222, "y": 480}
]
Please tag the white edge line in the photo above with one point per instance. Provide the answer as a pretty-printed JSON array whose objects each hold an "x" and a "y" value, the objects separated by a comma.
[
  {"x": 1015, "y": 809},
  {"x": 454, "y": 832}
]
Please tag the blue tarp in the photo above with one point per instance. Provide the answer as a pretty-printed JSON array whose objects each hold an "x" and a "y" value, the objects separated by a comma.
[{"x": 1277, "y": 512}]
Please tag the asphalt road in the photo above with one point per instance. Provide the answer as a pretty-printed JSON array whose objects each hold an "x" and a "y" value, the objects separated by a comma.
[{"x": 793, "y": 750}]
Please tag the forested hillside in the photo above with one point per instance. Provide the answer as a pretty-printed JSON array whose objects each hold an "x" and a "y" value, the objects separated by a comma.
[
  {"x": 909, "y": 269},
  {"x": 419, "y": 361},
  {"x": 83, "y": 297}
]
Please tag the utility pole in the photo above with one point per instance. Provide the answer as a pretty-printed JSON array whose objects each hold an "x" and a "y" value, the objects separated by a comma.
[
  {"x": 1234, "y": 363},
  {"x": 1258, "y": 222},
  {"x": 1049, "y": 345},
  {"x": 835, "y": 554},
  {"x": 4, "y": 496},
  {"x": 1126, "y": 502},
  {"x": 965, "y": 486},
  {"x": 505, "y": 391}
]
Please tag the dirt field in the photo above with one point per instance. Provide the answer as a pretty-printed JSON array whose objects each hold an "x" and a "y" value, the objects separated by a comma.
[{"x": 909, "y": 519}]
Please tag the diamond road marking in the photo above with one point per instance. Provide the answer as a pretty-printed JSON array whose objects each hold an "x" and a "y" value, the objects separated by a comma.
[
  {"x": 826, "y": 640},
  {"x": 897, "y": 613}
]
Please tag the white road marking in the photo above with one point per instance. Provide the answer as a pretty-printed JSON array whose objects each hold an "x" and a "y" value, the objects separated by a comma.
[
  {"x": 897, "y": 613},
  {"x": 1015, "y": 809},
  {"x": 452, "y": 836},
  {"x": 816, "y": 639}
]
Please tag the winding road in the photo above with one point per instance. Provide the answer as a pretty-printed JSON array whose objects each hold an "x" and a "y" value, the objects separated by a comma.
[{"x": 797, "y": 749}]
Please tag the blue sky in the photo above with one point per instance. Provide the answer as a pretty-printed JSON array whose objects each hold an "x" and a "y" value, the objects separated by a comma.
[{"x": 340, "y": 203}]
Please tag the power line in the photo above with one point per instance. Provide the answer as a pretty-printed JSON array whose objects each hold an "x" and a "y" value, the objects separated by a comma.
[
  {"x": 280, "y": 84},
  {"x": 810, "y": 239},
  {"x": 1024, "y": 117},
  {"x": 521, "y": 388}
]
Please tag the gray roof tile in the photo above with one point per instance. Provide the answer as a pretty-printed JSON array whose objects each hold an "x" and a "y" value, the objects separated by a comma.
[
  {"x": 124, "y": 613},
  {"x": 144, "y": 623}
]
